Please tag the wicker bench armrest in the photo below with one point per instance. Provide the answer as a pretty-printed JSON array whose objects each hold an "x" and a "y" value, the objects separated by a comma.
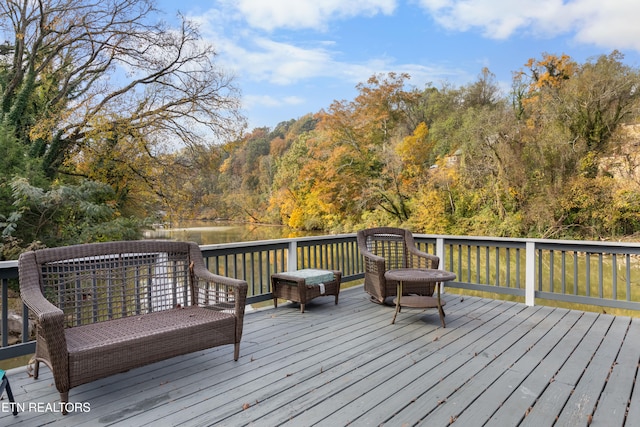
[
  {"x": 31, "y": 292},
  {"x": 38, "y": 304},
  {"x": 49, "y": 318},
  {"x": 214, "y": 290},
  {"x": 204, "y": 280}
]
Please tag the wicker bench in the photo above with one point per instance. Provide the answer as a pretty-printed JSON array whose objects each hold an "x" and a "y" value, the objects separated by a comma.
[{"x": 105, "y": 308}]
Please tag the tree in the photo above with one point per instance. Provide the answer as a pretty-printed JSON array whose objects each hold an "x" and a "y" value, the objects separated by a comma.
[
  {"x": 101, "y": 90},
  {"x": 353, "y": 161},
  {"x": 66, "y": 214},
  {"x": 602, "y": 95},
  {"x": 66, "y": 87},
  {"x": 484, "y": 92}
]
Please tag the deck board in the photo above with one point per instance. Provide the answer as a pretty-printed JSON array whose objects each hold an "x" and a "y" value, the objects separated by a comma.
[
  {"x": 619, "y": 385},
  {"x": 483, "y": 394},
  {"x": 525, "y": 393},
  {"x": 496, "y": 363}
]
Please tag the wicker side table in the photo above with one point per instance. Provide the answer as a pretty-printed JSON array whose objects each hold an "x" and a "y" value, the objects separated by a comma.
[
  {"x": 302, "y": 286},
  {"x": 429, "y": 278}
]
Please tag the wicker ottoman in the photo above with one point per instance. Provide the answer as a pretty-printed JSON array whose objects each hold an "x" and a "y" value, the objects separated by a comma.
[{"x": 304, "y": 285}]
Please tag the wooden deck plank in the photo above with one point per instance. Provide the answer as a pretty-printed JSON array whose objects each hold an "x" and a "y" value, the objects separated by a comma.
[
  {"x": 176, "y": 375},
  {"x": 371, "y": 372},
  {"x": 265, "y": 371},
  {"x": 527, "y": 392},
  {"x": 613, "y": 403},
  {"x": 584, "y": 399},
  {"x": 495, "y": 362},
  {"x": 505, "y": 352},
  {"x": 494, "y": 385},
  {"x": 552, "y": 402},
  {"x": 633, "y": 414},
  {"x": 439, "y": 373},
  {"x": 292, "y": 357},
  {"x": 359, "y": 353},
  {"x": 180, "y": 371}
]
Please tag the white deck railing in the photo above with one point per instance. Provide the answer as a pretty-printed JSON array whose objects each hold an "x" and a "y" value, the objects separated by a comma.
[{"x": 601, "y": 274}]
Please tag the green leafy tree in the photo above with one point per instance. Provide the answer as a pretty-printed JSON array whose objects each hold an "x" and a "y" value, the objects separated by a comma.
[{"x": 66, "y": 214}]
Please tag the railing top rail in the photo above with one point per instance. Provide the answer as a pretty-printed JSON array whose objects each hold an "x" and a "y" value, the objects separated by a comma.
[
  {"x": 8, "y": 269},
  {"x": 545, "y": 244},
  {"x": 278, "y": 242},
  {"x": 9, "y": 264}
]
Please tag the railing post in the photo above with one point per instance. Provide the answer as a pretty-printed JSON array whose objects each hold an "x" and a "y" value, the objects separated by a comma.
[
  {"x": 440, "y": 251},
  {"x": 530, "y": 276},
  {"x": 440, "y": 254},
  {"x": 292, "y": 256}
]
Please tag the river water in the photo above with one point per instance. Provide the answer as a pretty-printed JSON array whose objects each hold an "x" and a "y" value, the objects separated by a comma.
[{"x": 211, "y": 232}]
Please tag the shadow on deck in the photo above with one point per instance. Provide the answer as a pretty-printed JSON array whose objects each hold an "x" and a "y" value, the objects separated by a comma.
[{"x": 497, "y": 363}]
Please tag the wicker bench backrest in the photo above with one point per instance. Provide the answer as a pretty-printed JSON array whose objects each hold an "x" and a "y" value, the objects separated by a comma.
[{"x": 99, "y": 282}]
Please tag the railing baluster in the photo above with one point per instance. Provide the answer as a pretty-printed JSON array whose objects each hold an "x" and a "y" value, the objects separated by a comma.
[
  {"x": 497, "y": 267},
  {"x": 540, "y": 270},
  {"x": 628, "y": 278},
  {"x": 508, "y": 269},
  {"x": 575, "y": 272},
  {"x": 25, "y": 324},
  {"x": 518, "y": 286},
  {"x": 487, "y": 264},
  {"x": 563, "y": 275},
  {"x": 588, "y": 274},
  {"x": 5, "y": 312},
  {"x": 260, "y": 270},
  {"x": 600, "y": 278},
  {"x": 614, "y": 277},
  {"x": 478, "y": 269},
  {"x": 551, "y": 271},
  {"x": 469, "y": 263}
]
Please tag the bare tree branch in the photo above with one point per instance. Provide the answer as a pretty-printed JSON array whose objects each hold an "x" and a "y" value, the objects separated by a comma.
[{"x": 103, "y": 65}]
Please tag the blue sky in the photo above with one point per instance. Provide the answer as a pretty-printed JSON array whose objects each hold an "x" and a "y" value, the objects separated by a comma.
[{"x": 293, "y": 57}]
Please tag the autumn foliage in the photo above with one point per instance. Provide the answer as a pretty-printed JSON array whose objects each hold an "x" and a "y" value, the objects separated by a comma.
[
  {"x": 543, "y": 160},
  {"x": 83, "y": 160}
]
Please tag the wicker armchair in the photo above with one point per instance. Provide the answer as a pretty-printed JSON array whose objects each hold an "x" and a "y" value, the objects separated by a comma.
[{"x": 387, "y": 248}]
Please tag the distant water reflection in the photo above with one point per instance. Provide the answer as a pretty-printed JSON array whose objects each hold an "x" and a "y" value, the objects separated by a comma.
[{"x": 206, "y": 233}]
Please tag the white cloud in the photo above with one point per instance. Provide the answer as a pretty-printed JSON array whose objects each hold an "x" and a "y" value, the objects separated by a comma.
[
  {"x": 252, "y": 101},
  {"x": 497, "y": 19},
  {"x": 285, "y": 63},
  {"x": 612, "y": 24},
  {"x": 257, "y": 56},
  {"x": 315, "y": 14},
  {"x": 605, "y": 24}
]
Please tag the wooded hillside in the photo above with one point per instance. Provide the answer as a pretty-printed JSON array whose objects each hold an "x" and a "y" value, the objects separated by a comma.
[{"x": 555, "y": 156}]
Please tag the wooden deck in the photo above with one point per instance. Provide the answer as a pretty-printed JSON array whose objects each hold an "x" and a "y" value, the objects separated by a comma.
[{"x": 497, "y": 363}]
